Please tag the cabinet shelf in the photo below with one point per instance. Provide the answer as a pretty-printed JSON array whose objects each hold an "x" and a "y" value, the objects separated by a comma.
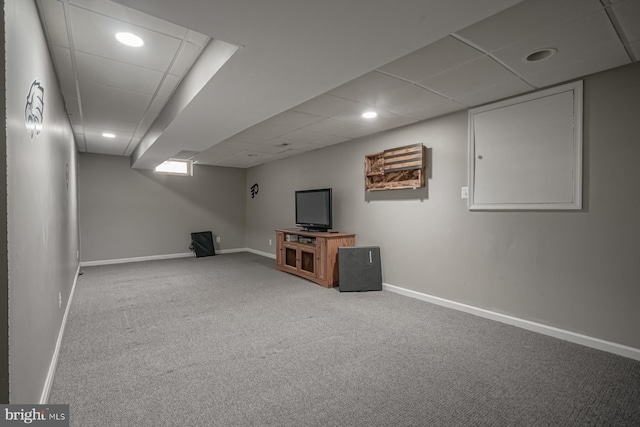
[{"x": 397, "y": 168}]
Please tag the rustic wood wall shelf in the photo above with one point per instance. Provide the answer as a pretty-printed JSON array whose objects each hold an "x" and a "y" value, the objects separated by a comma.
[{"x": 396, "y": 168}]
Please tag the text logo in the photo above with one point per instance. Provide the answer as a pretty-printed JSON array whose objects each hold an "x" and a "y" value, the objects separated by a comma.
[
  {"x": 34, "y": 415},
  {"x": 254, "y": 190}
]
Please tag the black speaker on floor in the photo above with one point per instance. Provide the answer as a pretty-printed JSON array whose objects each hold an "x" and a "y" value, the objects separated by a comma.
[
  {"x": 202, "y": 243},
  {"x": 359, "y": 269}
]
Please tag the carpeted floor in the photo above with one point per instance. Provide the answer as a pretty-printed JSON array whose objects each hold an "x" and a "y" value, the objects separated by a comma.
[{"x": 230, "y": 341}]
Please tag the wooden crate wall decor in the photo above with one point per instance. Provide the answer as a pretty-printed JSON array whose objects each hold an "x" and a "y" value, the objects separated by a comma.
[{"x": 396, "y": 168}]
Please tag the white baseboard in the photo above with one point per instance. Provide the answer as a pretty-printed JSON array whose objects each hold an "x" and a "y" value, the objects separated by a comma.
[
  {"x": 231, "y": 251},
  {"x": 265, "y": 254},
  {"x": 611, "y": 347},
  {"x": 169, "y": 256},
  {"x": 135, "y": 259},
  {"x": 46, "y": 390}
]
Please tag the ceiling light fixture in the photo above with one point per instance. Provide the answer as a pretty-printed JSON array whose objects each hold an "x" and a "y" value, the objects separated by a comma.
[
  {"x": 540, "y": 54},
  {"x": 129, "y": 39},
  {"x": 108, "y": 135},
  {"x": 369, "y": 114}
]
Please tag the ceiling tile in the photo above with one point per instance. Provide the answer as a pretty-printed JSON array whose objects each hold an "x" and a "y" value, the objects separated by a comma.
[
  {"x": 109, "y": 103},
  {"x": 228, "y": 146},
  {"x": 331, "y": 127},
  {"x": 197, "y": 38},
  {"x": 62, "y": 58},
  {"x": 72, "y": 106},
  {"x": 575, "y": 40},
  {"x": 215, "y": 153},
  {"x": 185, "y": 59},
  {"x": 304, "y": 135},
  {"x": 168, "y": 85},
  {"x": 431, "y": 110},
  {"x": 327, "y": 105},
  {"x": 234, "y": 144},
  {"x": 358, "y": 132},
  {"x": 185, "y": 154},
  {"x": 121, "y": 136},
  {"x": 523, "y": 20},
  {"x": 94, "y": 33},
  {"x": 270, "y": 149},
  {"x": 302, "y": 148},
  {"x": 96, "y": 69},
  {"x": 156, "y": 105},
  {"x": 369, "y": 88},
  {"x": 96, "y": 143},
  {"x": 628, "y": 15},
  {"x": 409, "y": 99},
  {"x": 132, "y": 145},
  {"x": 330, "y": 140},
  {"x": 388, "y": 120},
  {"x": 142, "y": 129},
  {"x": 270, "y": 130},
  {"x": 431, "y": 60},
  {"x": 584, "y": 66},
  {"x": 288, "y": 144},
  {"x": 150, "y": 115},
  {"x": 244, "y": 159},
  {"x": 53, "y": 16},
  {"x": 355, "y": 117},
  {"x": 129, "y": 15},
  {"x": 468, "y": 78},
  {"x": 294, "y": 119},
  {"x": 76, "y": 120},
  {"x": 249, "y": 138},
  {"x": 494, "y": 93},
  {"x": 81, "y": 143},
  {"x": 110, "y": 125}
]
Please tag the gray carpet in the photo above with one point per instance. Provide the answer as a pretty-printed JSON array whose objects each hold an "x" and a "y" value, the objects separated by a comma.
[{"x": 230, "y": 341}]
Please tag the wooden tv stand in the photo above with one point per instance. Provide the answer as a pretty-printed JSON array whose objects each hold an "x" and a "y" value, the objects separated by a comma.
[{"x": 312, "y": 255}]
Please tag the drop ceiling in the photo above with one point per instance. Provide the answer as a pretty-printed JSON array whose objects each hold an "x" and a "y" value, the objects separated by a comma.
[{"x": 300, "y": 73}]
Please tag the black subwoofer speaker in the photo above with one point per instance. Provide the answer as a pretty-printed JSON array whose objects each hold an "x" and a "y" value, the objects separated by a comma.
[
  {"x": 202, "y": 243},
  {"x": 359, "y": 269}
]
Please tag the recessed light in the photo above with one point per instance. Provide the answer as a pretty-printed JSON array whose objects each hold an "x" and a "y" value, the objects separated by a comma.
[
  {"x": 129, "y": 39},
  {"x": 108, "y": 135},
  {"x": 540, "y": 54},
  {"x": 369, "y": 114}
]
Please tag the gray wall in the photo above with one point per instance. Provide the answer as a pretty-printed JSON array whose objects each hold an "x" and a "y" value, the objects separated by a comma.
[
  {"x": 4, "y": 272},
  {"x": 42, "y": 207},
  {"x": 576, "y": 271},
  {"x": 129, "y": 213}
]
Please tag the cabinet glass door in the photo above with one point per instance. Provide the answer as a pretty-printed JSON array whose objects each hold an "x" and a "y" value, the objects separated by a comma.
[
  {"x": 290, "y": 257},
  {"x": 308, "y": 261}
]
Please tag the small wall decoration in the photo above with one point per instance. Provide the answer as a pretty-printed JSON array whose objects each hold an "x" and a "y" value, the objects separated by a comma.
[
  {"x": 34, "y": 109},
  {"x": 254, "y": 190},
  {"x": 396, "y": 168}
]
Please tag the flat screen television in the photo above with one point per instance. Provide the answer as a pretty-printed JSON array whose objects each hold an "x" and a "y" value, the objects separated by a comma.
[{"x": 313, "y": 209}]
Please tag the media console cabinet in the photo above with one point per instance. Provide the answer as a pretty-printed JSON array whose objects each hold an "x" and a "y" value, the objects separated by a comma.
[{"x": 312, "y": 255}]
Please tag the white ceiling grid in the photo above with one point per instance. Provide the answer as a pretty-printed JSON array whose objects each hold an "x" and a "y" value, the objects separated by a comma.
[
  {"x": 483, "y": 62},
  {"x": 109, "y": 87}
]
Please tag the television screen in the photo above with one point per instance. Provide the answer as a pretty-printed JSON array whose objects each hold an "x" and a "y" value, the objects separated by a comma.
[{"x": 313, "y": 209}]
